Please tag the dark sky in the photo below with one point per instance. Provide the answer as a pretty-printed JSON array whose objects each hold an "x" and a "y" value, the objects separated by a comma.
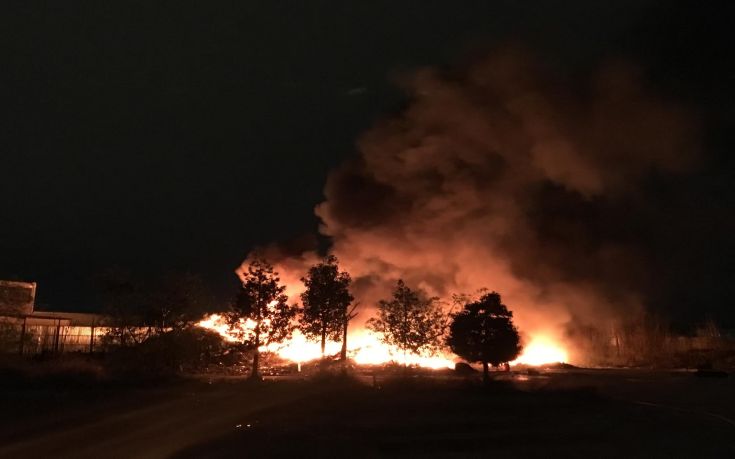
[{"x": 170, "y": 136}]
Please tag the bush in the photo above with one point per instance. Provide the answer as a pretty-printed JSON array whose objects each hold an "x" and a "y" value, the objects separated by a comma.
[{"x": 187, "y": 350}]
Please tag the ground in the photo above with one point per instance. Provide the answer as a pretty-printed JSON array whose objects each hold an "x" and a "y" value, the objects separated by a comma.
[{"x": 574, "y": 413}]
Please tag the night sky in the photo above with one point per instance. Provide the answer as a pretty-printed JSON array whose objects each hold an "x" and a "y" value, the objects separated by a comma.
[{"x": 178, "y": 136}]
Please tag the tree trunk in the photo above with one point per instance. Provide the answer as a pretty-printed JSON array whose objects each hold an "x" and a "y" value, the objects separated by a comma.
[
  {"x": 324, "y": 340},
  {"x": 343, "y": 352},
  {"x": 255, "y": 374},
  {"x": 485, "y": 373}
]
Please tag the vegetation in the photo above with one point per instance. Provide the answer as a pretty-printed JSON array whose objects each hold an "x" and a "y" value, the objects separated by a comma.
[
  {"x": 262, "y": 301},
  {"x": 188, "y": 350},
  {"x": 121, "y": 297},
  {"x": 179, "y": 301},
  {"x": 135, "y": 311},
  {"x": 153, "y": 324},
  {"x": 410, "y": 320},
  {"x": 483, "y": 331},
  {"x": 326, "y": 302},
  {"x": 9, "y": 336},
  {"x": 646, "y": 339}
]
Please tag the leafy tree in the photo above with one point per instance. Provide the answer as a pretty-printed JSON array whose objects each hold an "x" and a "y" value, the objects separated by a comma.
[
  {"x": 483, "y": 331},
  {"x": 411, "y": 321},
  {"x": 262, "y": 302},
  {"x": 326, "y": 303}
]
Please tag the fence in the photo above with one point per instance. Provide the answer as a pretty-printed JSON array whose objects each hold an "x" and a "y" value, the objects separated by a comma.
[{"x": 39, "y": 334}]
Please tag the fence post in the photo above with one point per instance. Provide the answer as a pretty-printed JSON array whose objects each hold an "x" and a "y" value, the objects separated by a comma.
[
  {"x": 56, "y": 335},
  {"x": 22, "y": 336}
]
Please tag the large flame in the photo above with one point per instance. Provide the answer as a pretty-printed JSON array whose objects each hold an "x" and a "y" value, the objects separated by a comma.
[
  {"x": 541, "y": 350},
  {"x": 366, "y": 348}
]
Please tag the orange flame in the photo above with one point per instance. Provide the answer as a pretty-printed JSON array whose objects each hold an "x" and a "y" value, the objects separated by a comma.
[
  {"x": 541, "y": 350},
  {"x": 366, "y": 348}
]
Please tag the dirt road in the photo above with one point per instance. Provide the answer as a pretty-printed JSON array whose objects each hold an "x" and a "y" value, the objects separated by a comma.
[
  {"x": 575, "y": 413},
  {"x": 155, "y": 429}
]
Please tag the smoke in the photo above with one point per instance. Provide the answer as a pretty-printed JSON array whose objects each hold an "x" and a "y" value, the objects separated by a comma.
[{"x": 506, "y": 176}]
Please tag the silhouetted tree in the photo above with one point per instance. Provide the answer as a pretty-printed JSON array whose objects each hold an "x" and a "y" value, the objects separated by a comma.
[
  {"x": 262, "y": 301},
  {"x": 326, "y": 303},
  {"x": 483, "y": 331},
  {"x": 410, "y": 321},
  {"x": 178, "y": 301},
  {"x": 122, "y": 302},
  {"x": 349, "y": 315},
  {"x": 187, "y": 349}
]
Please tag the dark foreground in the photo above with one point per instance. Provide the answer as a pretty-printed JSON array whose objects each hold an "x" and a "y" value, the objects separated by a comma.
[{"x": 581, "y": 413}]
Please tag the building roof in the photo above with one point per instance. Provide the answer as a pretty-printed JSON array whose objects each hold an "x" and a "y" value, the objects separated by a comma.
[{"x": 75, "y": 318}]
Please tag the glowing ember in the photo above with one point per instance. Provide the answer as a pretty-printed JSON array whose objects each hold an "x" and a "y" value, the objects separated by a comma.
[{"x": 540, "y": 351}]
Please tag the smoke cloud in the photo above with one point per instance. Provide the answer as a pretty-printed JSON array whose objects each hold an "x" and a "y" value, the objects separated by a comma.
[{"x": 507, "y": 176}]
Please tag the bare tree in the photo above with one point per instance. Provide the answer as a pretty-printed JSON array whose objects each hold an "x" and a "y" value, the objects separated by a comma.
[{"x": 349, "y": 315}]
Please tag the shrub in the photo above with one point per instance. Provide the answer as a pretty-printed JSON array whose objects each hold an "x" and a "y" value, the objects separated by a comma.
[{"x": 187, "y": 350}]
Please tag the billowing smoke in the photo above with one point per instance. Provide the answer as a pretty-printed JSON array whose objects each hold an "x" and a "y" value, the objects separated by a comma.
[{"x": 506, "y": 176}]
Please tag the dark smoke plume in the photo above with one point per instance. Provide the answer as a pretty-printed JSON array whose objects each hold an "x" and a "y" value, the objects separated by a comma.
[{"x": 506, "y": 176}]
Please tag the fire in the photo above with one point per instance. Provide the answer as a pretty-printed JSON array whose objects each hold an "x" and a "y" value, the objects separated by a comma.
[
  {"x": 364, "y": 347},
  {"x": 541, "y": 350},
  {"x": 368, "y": 349},
  {"x": 217, "y": 323}
]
